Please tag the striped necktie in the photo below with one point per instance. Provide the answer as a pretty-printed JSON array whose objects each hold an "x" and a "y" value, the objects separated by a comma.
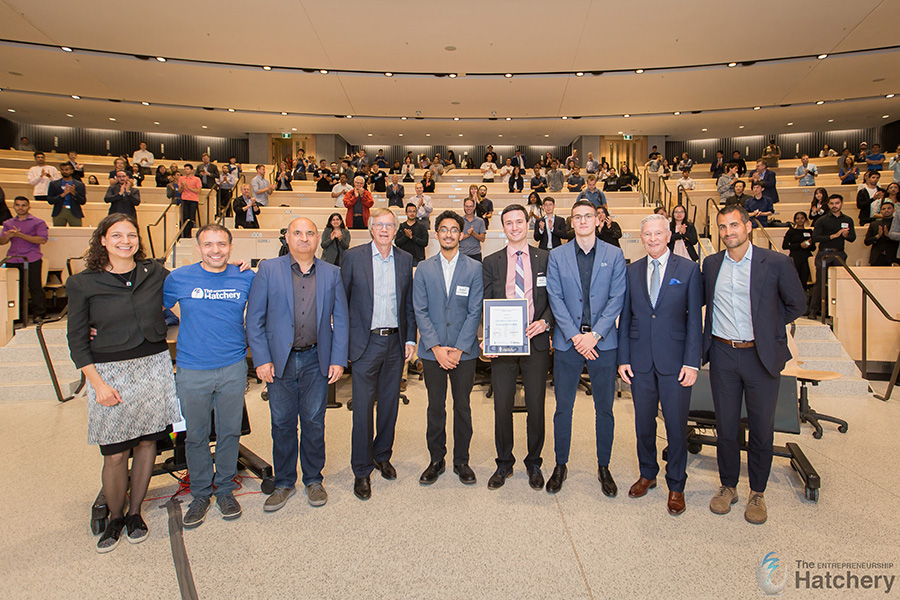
[{"x": 520, "y": 276}]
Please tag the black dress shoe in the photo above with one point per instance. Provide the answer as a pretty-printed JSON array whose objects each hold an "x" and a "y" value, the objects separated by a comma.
[
  {"x": 387, "y": 469},
  {"x": 499, "y": 478},
  {"x": 554, "y": 484},
  {"x": 432, "y": 472},
  {"x": 606, "y": 482},
  {"x": 362, "y": 488},
  {"x": 466, "y": 475},
  {"x": 536, "y": 479}
]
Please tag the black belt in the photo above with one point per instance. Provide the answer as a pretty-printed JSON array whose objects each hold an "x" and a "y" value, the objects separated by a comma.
[
  {"x": 585, "y": 329},
  {"x": 303, "y": 348},
  {"x": 735, "y": 343},
  {"x": 385, "y": 331}
]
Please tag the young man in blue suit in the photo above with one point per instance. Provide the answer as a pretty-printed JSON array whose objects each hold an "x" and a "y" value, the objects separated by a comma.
[
  {"x": 751, "y": 293},
  {"x": 382, "y": 339},
  {"x": 659, "y": 354},
  {"x": 297, "y": 329},
  {"x": 447, "y": 294},
  {"x": 586, "y": 286}
]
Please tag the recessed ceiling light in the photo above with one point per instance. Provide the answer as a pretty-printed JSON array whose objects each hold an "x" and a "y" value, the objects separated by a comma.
[
  {"x": 546, "y": 135},
  {"x": 65, "y": 48},
  {"x": 370, "y": 135},
  {"x": 349, "y": 116},
  {"x": 740, "y": 126},
  {"x": 508, "y": 75},
  {"x": 791, "y": 123},
  {"x": 889, "y": 96},
  {"x": 267, "y": 68},
  {"x": 456, "y": 118},
  {"x": 885, "y": 116},
  {"x": 822, "y": 56},
  {"x": 323, "y": 71},
  {"x": 831, "y": 120},
  {"x": 449, "y": 48},
  {"x": 76, "y": 97},
  {"x": 145, "y": 103},
  {"x": 11, "y": 110},
  {"x": 564, "y": 118},
  {"x": 509, "y": 118},
  {"x": 460, "y": 135},
  {"x": 156, "y": 122},
  {"x": 112, "y": 118},
  {"x": 704, "y": 129},
  {"x": 820, "y": 102},
  {"x": 401, "y": 135},
  {"x": 161, "y": 59},
  {"x": 452, "y": 76},
  {"x": 676, "y": 113},
  {"x": 230, "y": 110},
  {"x": 284, "y": 114},
  {"x": 70, "y": 115},
  {"x": 293, "y": 129},
  {"x": 732, "y": 64},
  {"x": 621, "y": 132},
  {"x": 639, "y": 71},
  {"x": 402, "y": 118},
  {"x": 500, "y": 135},
  {"x": 388, "y": 74},
  {"x": 579, "y": 74},
  {"x": 204, "y": 127},
  {"x": 427, "y": 135},
  {"x": 627, "y": 116},
  {"x": 755, "y": 108}
]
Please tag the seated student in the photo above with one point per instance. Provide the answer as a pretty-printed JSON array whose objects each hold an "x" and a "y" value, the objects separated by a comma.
[
  {"x": 758, "y": 206},
  {"x": 739, "y": 196},
  {"x": 798, "y": 240},
  {"x": 884, "y": 249}
]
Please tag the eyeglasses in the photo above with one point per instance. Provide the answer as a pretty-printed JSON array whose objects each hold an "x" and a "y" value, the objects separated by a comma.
[
  {"x": 585, "y": 217},
  {"x": 444, "y": 230},
  {"x": 382, "y": 225}
]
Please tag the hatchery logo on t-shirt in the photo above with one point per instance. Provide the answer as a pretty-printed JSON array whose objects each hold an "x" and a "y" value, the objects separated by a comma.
[{"x": 202, "y": 294}]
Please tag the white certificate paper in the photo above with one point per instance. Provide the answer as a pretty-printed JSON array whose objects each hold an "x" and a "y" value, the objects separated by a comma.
[{"x": 506, "y": 326}]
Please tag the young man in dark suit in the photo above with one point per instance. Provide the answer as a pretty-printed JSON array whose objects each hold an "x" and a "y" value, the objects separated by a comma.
[
  {"x": 751, "y": 294},
  {"x": 520, "y": 271},
  {"x": 660, "y": 333},
  {"x": 551, "y": 231},
  {"x": 382, "y": 338}
]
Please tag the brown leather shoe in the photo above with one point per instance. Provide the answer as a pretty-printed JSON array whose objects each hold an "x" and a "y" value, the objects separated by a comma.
[
  {"x": 640, "y": 487},
  {"x": 675, "y": 505}
]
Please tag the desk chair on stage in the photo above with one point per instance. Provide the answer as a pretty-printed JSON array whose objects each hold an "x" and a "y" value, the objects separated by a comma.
[{"x": 809, "y": 376}]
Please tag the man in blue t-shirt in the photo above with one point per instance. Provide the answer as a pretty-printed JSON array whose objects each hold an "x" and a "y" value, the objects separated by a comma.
[
  {"x": 875, "y": 158},
  {"x": 212, "y": 367}
]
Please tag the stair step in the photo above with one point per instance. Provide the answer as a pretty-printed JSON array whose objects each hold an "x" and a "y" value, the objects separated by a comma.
[
  {"x": 844, "y": 387},
  {"x": 820, "y": 348},
  {"x": 847, "y": 368},
  {"x": 812, "y": 330},
  {"x": 59, "y": 354},
  {"x": 37, "y": 371},
  {"x": 25, "y": 391},
  {"x": 52, "y": 335}
]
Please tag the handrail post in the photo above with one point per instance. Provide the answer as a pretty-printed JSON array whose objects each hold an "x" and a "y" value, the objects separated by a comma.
[
  {"x": 890, "y": 387},
  {"x": 865, "y": 336}
]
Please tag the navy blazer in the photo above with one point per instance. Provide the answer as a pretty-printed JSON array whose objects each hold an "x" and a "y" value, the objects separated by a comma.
[
  {"x": 667, "y": 337},
  {"x": 495, "y": 268},
  {"x": 776, "y": 299},
  {"x": 56, "y": 198},
  {"x": 448, "y": 320},
  {"x": 358, "y": 275},
  {"x": 560, "y": 233},
  {"x": 270, "y": 315},
  {"x": 769, "y": 191},
  {"x": 607, "y": 294}
]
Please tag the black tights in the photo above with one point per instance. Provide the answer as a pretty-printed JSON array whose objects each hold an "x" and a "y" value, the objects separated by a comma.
[{"x": 115, "y": 478}]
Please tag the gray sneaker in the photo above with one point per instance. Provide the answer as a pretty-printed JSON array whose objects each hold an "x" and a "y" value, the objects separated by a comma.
[
  {"x": 196, "y": 512},
  {"x": 278, "y": 498},
  {"x": 229, "y": 507},
  {"x": 316, "y": 494}
]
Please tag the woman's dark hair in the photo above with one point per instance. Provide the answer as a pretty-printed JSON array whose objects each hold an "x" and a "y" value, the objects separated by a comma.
[
  {"x": 684, "y": 220},
  {"x": 333, "y": 215},
  {"x": 535, "y": 195},
  {"x": 93, "y": 179},
  {"x": 96, "y": 257},
  {"x": 798, "y": 213},
  {"x": 517, "y": 172},
  {"x": 604, "y": 209},
  {"x": 824, "y": 199},
  {"x": 162, "y": 169}
]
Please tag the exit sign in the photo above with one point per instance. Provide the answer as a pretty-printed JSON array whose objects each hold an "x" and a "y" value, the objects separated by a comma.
[
  {"x": 287, "y": 136},
  {"x": 626, "y": 136}
]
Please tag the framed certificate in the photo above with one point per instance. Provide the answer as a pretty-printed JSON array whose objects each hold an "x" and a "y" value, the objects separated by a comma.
[{"x": 505, "y": 322}]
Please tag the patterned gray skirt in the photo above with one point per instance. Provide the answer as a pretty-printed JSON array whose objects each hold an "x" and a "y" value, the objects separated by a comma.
[{"x": 149, "y": 404}]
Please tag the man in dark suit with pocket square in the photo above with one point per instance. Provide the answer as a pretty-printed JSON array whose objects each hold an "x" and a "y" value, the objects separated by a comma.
[
  {"x": 660, "y": 333},
  {"x": 520, "y": 271},
  {"x": 382, "y": 338}
]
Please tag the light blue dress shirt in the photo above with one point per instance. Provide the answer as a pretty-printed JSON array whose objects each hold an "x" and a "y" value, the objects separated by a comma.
[
  {"x": 384, "y": 309},
  {"x": 731, "y": 318}
]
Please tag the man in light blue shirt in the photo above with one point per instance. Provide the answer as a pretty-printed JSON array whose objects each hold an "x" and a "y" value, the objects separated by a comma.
[
  {"x": 592, "y": 193},
  {"x": 806, "y": 173}
]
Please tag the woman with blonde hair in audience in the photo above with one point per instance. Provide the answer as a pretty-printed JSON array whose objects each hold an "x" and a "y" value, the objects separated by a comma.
[
  {"x": 335, "y": 240},
  {"x": 283, "y": 178},
  {"x": 819, "y": 205},
  {"x": 408, "y": 170},
  {"x": 428, "y": 182}
]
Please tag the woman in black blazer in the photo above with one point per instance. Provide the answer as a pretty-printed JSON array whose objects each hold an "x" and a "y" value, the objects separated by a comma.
[
  {"x": 683, "y": 231},
  {"x": 131, "y": 389},
  {"x": 162, "y": 176},
  {"x": 283, "y": 178},
  {"x": 516, "y": 181},
  {"x": 608, "y": 230},
  {"x": 798, "y": 240}
]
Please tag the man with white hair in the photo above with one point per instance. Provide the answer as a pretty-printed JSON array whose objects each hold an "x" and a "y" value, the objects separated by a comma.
[{"x": 660, "y": 333}]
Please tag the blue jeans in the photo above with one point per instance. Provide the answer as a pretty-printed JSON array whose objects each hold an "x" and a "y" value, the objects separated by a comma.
[
  {"x": 301, "y": 392},
  {"x": 200, "y": 393},
  {"x": 567, "y": 368}
]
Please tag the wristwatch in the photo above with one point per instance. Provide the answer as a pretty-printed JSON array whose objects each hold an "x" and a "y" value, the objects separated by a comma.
[
  {"x": 546, "y": 324},
  {"x": 597, "y": 335}
]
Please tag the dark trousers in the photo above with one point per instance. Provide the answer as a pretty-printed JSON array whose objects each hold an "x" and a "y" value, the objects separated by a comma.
[
  {"x": 504, "y": 372},
  {"x": 735, "y": 375},
  {"x": 358, "y": 222},
  {"x": 801, "y": 263},
  {"x": 189, "y": 210},
  {"x": 376, "y": 376},
  {"x": 567, "y": 368},
  {"x": 649, "y": 391},
  {"x": 224, "y": 198},
  {"x": 35, "y": 286},
  {"x": 462, "y": 379},
  {"x": 823, "y": 261}
]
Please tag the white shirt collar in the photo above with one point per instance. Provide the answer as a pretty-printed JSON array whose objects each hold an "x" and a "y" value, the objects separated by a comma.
[
  {"x": 377, "y": 252},
  {"x": 747, "y": 256}
]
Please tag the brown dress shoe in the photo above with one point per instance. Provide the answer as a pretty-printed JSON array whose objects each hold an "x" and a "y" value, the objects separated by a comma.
[
  {"x": 675, "y": 505},
  {"x": 640, "y": 487}
]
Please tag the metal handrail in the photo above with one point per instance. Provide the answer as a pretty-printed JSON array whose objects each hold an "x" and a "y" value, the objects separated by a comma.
[
  {"x": 162, "y": 218},
  {"x": 43, "y": 343},
  {"x": 759, "y": 227},
  {"x": 171, "y": 246},
  {"x": 23, "y": 284},
  {"x": 709, "y": 214}
]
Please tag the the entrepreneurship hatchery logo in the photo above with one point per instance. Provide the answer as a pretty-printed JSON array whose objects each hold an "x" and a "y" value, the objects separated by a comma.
[
  {"x": 767, "y": 575},
  {"x": 197, "y": 293}
]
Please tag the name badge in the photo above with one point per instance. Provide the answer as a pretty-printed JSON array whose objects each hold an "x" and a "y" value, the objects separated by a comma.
[
  {"x": 541, "y": 281},
  {"x": 805, "y": 234},
  {"x": 462, "y": 290},
  {"x": 845, "y": 225}
]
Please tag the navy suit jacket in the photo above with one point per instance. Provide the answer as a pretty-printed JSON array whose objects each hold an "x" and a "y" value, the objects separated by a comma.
[
  {"x": 448, "y": 320},
  {"x": 56, "y": 198},
  {"x": 776, "y": 299},
  {"x": 769, "y": 191},
  {"x": 669, "y": 336},
  {"x": 270, "y": 315},
  {"x": 358, "y": 275},
  {"x": 560, "y": 233},
  {"x": 607, "y": 294}
]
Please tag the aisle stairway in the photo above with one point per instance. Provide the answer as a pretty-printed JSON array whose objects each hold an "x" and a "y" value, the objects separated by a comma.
[
  {"x": 821, "y": 350},
  {"x": 23, "y": 372}
]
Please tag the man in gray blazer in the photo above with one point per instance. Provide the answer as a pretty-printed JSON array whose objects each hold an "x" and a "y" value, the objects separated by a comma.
[
  {"x": 586, "y": 286},
  {"x": 447, "y": 295}
]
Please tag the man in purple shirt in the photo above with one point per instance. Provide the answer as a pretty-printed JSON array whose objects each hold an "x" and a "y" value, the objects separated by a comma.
[{"x": 25, "y": 233}]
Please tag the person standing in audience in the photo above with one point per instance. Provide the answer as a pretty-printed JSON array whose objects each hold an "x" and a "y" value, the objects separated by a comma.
[
  {"x": 437, "y": 168},
  {"x": 394, "y": 192},
  {"x": 25, "y": 235},
  {"x": 575, "y": 182},
  {"x": 358, "y": 201},
  {"x": 607, "y": 229},
  {"x": 207, "y": 172},
  {"x": 751, "y": 294},
  {"x": 246, "y": 210},
  {"x": 473, "y": 232},
  {"x": 538, "y": 182},
  {"x": 40, "y": 176},
  {"x": 143, "y": 157},
  {"x": 685, "y": 183},
  {"x": 77, "y": 167},
  {"x": 300, "y": 166},
  {"x": 767, "y": 179},
  {"x": 818, "y": 206},
  {"x": 573, "y": 158},
  {"x": 211, "y": 382},
  {"x": 592, "y": 193},
  {"x": 260, "y": 186},
  {"x": 827, "y": 151},
  {"x": 448, "y": 290},
  {"x": 23, "y": 145},
  {"x": 488, "y": 170},
  {"x": 758, "y": 206},
  {"x": 516, "y": 182},
  {"x": 660, "y": 357},
  {"x": 737, "y": 159},
  {"x": 122, "y": 196},
  {"x": 686, "y": 162},
  {"x": 875, "y": 158},
  {"x": 555, "y": 178},
  {"x": 225, "y": 184},
  {"x": 849, "y": 172},
  {"x": 380, "y": 159},
  {"x": 551, "y": 231},
  {"x": 120, "y": 164},
  {"x": 377, "y": 179},
  {"x": 424, "y": 208},
  {"x": 505, "y": 171},
  {"x": 189, "y": 190},
  {"x": 717, "y": 167},
  {"x": 298, "y": 331},
  {"x": 131, "y": 397},
  {"x": 830, "y": 233},
  {"x": 611, "y": 183},
  {"x": 324, "y": 178},
  {"x": 66, "y": 196},
  {"x": 869, "y": 198},
  {"x": 283, "y": 178},
  {"x": 5, "y": 213},
  {"x": 798, "y": 241},
  {"x": 485, "y": 207},
  {"x": 806, "y": 173},
  {"x": 137, "y": 175},
  {"x": 162, "y": 176},
  {"x": 378, "y": 281},
  {"x": 412, "y": 236},
  {"x": 408, "y": 170},
  {"x": 739, "y": 196},
  {"x": 520, "y": 271},
  {"x": 428, "y": 182},
  {"x": 586, "y": 287},
  {"x": 340, "y": 190},
  {"x": 626, "y": 178},
  {"x": 894, "y": 165},
  {"x": 591, "y": 165},
  {"x": 884, "y": 249},
  {"x": 535, "y": 208},
  {"x": 335, "y": 240},
  {"x": 683, "y": 239},
  {"x": 771, "y": 154},
  {"x": 451, "y": 160}
]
